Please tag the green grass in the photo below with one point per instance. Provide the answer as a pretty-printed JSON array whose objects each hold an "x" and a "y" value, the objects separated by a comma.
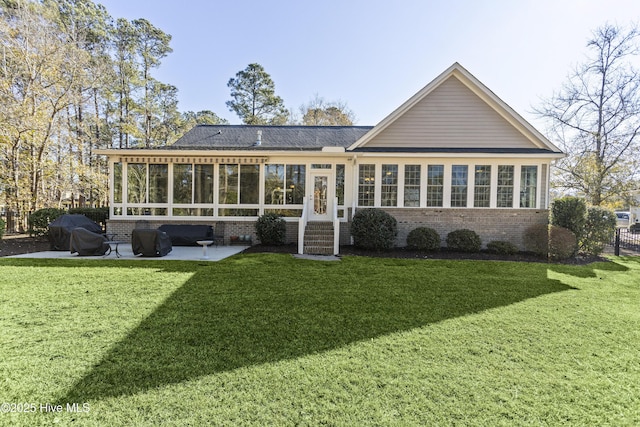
[{"x": 272, "y": 340}]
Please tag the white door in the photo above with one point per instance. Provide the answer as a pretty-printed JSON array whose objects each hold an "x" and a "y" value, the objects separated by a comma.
[{"x": 321, "y": 198}]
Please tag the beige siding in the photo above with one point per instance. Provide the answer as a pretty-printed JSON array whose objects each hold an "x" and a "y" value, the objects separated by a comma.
[{"x": 451, "y": 116}]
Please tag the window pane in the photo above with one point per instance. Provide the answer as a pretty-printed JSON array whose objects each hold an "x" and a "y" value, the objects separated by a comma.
[
  {"x": 389, "y": 196},
  {"x": 505, "y": 186},
  {"x": 295, "y": 184},
  {"x": 366, "y": 185},
  {"x": 182, "y": 183},
  {"x": 412, "y": 185},
  {"x": 459, "y": 186},
  {"x": 228, "y": 192},
  {"x": 117, "y": 182},
  {"x": 482, "y": 190},
  {"x": 528, "y": 184},
  {"x": 435, "y": 185},
  {"x": 274, "y": 184},
  {"x": 204, "y": 184},
  {"x": 158, "y": 183},
  {"x": 137, "y": 183},
  {"x": 249, "y": 184},
  {"x": 340, "y": 184}
]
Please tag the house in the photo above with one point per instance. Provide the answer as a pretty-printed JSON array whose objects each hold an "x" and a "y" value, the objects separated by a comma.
[{"x": 452, "y": 156}]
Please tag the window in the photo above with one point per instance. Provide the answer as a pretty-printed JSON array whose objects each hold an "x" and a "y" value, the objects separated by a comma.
[
  {"x": 505, "y": 186},
  {"x": 459, "y": 176},
  {"x": 295, "y": 184},
  {"x": 203, "y": 184},
  {"x": 274, "y": 184},
  {"x": 284, "y": 184},
  {"x": 389, "y": 185},
  {"x": 340, "y": 170},
  {"x": 412, "y": 185},
  {"x": 228, "y": 186},
  {"x": 528, "y": 186},
  {"x": 117, "y": 182},
  {"x": 182, "y": 183},
  {"x": 249, "y": 184},
  {"x": 366, "y": 185},
  {"x": 158, "y": 183},
  {"x": 482, "y": 188},
  {"x": 435, "y": 185},
  {"x": 137, "y": 183}
]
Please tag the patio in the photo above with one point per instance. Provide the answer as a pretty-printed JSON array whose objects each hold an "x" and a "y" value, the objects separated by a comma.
[{"x": 178, "y": 253}]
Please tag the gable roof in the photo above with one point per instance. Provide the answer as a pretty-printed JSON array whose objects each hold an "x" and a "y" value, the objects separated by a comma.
[
  {"x": 455, "y": 112},
  {"x": 244, "y": 137}
]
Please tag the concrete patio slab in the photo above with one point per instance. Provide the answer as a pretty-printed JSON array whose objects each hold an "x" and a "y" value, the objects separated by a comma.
[{"x": 182, "y": 253}]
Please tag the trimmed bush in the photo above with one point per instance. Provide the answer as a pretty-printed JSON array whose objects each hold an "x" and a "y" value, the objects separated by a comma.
[
  {"x": 502, "y": 247},
  {"x": 97, "y": 215},
  {"x": 3, "y": 225},
  {"x": 39, "y": 220},
  {"x": 562, "y": 243},
  {"x": 271, "y": 229},
  {"x": 569, "y": 212},
  {"x": 550, "y": 241},
  {"x": 635, "y": 228},
  {"x": 424, "y": 239},
  {"x": 599, "y": 228},
  {"x": 536, "y": 239},
  {"x": 464, "y": 240},
  {"x": 373, "y": 228}
]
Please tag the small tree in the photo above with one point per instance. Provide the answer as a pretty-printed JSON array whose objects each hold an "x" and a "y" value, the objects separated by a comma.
[
  {"x": 570, "y": 213},
  {"x": 600, "y": 225}
]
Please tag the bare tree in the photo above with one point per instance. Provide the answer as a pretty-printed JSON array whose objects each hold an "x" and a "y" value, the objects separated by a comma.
[
  {"x": 596, "y": 119},
  {"x": 319, "y": 112}
]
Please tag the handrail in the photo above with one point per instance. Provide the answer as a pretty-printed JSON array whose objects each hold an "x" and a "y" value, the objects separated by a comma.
[
  {"x": 336, "y": 228},
  {"x": 302, "y": 225}
]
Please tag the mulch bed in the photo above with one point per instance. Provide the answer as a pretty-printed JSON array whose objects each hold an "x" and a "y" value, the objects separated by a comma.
[{"x": 23, "y": 244}]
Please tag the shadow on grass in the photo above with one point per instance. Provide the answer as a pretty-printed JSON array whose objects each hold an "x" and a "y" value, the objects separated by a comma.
[{"x": 255, "y": 309}]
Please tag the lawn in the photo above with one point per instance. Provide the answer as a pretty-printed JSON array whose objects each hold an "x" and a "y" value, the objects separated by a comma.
[{"x": 266, "y": 339}]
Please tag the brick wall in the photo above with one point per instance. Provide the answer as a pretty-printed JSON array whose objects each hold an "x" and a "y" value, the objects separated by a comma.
[{"x": 490, "y": 224}]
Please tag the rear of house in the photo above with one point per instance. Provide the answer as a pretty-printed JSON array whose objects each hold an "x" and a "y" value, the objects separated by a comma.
[{"x": 452, "y": 156}]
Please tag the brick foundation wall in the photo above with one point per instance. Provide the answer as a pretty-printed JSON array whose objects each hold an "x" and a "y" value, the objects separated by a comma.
[{"x": 490, "y": 224}]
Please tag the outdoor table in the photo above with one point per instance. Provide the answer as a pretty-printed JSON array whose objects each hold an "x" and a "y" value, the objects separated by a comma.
[{"x": 113, "y": 244}]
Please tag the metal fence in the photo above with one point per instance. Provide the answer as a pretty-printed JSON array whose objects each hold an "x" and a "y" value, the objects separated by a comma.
[{"x": 626, "y": 241}]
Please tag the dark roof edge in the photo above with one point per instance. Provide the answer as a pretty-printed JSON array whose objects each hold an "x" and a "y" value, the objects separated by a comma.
[{"x": 453, "y": 150}]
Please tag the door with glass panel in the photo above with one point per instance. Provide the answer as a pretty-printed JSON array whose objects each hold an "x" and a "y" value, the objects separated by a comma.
[{"x": 321, "y": 199}]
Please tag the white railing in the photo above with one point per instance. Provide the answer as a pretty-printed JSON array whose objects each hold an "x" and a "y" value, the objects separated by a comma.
[
  {"x": 336, "y": 228},
  {"x": 302, "y": 224}
]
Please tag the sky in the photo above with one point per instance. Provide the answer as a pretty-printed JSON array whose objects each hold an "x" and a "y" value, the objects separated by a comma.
[{"x": 372, "y": 55}]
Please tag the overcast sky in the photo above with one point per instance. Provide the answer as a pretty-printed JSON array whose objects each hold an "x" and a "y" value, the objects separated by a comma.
[{"x": 372, "y": 54}]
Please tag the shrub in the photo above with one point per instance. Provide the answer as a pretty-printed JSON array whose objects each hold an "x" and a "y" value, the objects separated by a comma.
[
  {"x": 39, "y": 220},
  {"x": 569, "y": 212},
  {"x": 600, "y": 225},
  {"x": 562, "y": 243},
  {"x": 464, "y": 240},
  {"x": 3, "y": 225},
  {"x": 424, "y": 239},
  {"x": 635, "y": 228},
  {"x": 502, "y": 247},
  {"x": 271, "y": 229},
  {"x": 97, "y": 215},
  {"x": 374, "y": 229},
  {"x": 536, "y": 239}
]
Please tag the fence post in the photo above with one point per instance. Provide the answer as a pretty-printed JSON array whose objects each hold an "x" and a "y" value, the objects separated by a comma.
[{"x": 617, "y": 243}]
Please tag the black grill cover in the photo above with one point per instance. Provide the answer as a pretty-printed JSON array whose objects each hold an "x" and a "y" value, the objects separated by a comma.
[
  {"x": 60, "y": 230},
  {"x": 86, "y": 242},
  {"x": 148, "y": 242}
]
